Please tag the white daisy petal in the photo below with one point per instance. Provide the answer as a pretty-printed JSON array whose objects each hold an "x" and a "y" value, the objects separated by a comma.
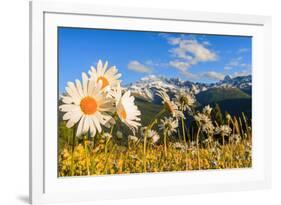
[
  {"x": 104, "y": 66},
  {"x": 86, "y": 126},
  {"x": 111, "y": 71},
  {"x": 99, "y": 68},
  {"x": 67, "y": 116},
  {"x": 74, "y": 97},
  {"x": 67, "y": 100},
  {"x": 79, "y": 131},
  {"x": 76, "y": 115},
  {"x": 70, "y": 124},
  {"x": 68, "y": 107},
  {"x": 118, "y": 75},
  {"x": 79, "y": 88},
  {"x": 91, "y": 86},
  {"x": 97, "y": 124},
  {"x": 93, "y": 71},
  {"x": 71, "y": 85},
  {"x": 85, "y": 83},
  {"x": 92, "y": 127}
]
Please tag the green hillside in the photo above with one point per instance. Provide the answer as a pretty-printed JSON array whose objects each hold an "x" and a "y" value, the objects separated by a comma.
[
  {"x": 219, "y": 94},
  {"x": 237, "y": 106},
  {"x": 148, "y": 109},
  {"x": 234, "y": 107},
  {"x": 247, "y": 90}
]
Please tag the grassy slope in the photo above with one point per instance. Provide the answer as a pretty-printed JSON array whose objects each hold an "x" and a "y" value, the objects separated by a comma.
[
  {"x": 235, "y": 106},
  {"x": 230, "y": 100},
  {"x": 219, "y": 94},
  {"x": 148, "y": 109}
]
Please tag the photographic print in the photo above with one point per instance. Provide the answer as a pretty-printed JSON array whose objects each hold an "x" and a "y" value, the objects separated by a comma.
[{"x": 145, "y": 101}]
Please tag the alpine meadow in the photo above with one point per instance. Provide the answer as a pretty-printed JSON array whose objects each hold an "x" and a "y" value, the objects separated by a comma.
[{"x": 143, "y": 102}]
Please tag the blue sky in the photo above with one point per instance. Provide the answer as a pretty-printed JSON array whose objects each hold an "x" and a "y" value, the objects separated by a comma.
[{"x": 194, "y": 57}]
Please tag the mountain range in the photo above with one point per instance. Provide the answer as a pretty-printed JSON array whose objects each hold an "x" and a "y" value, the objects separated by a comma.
[
  {"x": 233, "y": 95},
  {"x": 147, "y": 86}
]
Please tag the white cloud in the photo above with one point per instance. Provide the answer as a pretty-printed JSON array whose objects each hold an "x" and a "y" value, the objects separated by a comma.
[
  {"x": 213, "y": 75},
  {"x": 227, "y": 67},
  {"x": 152, "y": 64},
  {"x": 191, "y": 50},
  {"x": 187, "y": 52},
  {"x": 243, "y": 50},
  {"x": 183, "y": 68},
  {"x": 138, "y": 67},
  {"x": 174, "y": 41},
  {"x": 241, "y": 73},
  {"x": 207, "y": 43},
  {"x": 180, "y": 65},
  {"x": 236, "y": 62},
  {"x": 181, "y": 53},
  {"x": 245, "y": 65}
]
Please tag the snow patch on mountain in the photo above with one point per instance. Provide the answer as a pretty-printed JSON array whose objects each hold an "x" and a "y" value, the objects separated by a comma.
[{"x": 147, "y": 86}]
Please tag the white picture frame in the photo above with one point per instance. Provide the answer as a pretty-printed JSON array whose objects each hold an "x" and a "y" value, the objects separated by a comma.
[{"x": 45, "y": 187}]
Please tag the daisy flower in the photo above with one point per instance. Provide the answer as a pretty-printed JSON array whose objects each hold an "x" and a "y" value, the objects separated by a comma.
[
  {"x": 170, "y": 106},
  {"x": 168, "y": 125},
  {"x": 228, "y": 117},
  {"x": 223, "y": 130},
  {"x": 207, "y": 110},
  {"x": 108, "y": 77},
  {"x": 153, "y": 135},
  {"x": 87, "y": 105},
  {"x": 184, "y": 100},
  {"x": 205, "y": 123},
  {"x": 126, "y": 110}
]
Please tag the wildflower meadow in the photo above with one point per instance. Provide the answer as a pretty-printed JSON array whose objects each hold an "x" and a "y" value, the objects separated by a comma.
[{"x": 104, "y": 128}]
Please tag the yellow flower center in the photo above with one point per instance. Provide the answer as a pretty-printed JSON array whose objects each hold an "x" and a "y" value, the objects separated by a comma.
[
  {"x": 104, "y": 81},
  {"x": 123, "y": 114},
  {"x": 88, "y": 105}
]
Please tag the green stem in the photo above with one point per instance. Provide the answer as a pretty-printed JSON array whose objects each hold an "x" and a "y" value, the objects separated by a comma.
[
  {"x": 165, "y": 142},
  {"x": 156, "y": 116},
  {"x": 197, "y": 145},
  {"x": 106, "y": 153},
  {"x": 150, "y": 125},
  {"x": 179, "y": 135},
  {"x": 105, "y": 146},
  {"x": 106, "y": 159},
  {"x": 112, "y": 128},
  {"x": 231, "y": 149},
  {"x": 187, "y": 138},
  {"x": 185, "y": 143},
  {"x": 86, "y": 153},
  {"x": 183, "y": 130},
  {"x": 72, "y": 153}
]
